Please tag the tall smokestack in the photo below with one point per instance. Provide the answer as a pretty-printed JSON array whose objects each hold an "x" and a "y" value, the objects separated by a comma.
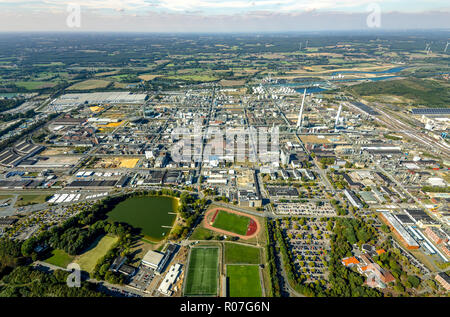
[
  {"x": 337, "y": 117},
  {"x": 300, "y": 114}
]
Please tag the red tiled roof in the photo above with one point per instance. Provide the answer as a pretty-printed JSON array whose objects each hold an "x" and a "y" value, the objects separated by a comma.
[
  {"x": 349, "y": 261},
  {"x": 380, "y": 251}
]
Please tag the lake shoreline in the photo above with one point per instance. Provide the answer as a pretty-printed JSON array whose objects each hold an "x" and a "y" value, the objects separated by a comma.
[{"x": 154, "y": 215}]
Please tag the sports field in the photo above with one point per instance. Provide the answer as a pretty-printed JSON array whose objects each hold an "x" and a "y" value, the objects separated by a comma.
[
  {"x": 241, "y": 254},
  {"x": 243, "y": 281},
  {"x": 231, "y": 222},
  {"x": 202, "y": 272}
]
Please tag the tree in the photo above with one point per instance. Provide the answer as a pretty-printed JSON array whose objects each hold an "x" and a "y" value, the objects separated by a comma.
[
  {"x": 414, "y": 281},
  {"x": 399, "y": 288}
]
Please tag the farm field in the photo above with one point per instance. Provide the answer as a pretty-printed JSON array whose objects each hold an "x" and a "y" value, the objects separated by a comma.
[
  {"x": 231, "y": 222},
  {"x": 243, "y": 281},
  {"x": 202, "y": 274},
  {"x": 59, "y": 258},
  {"x": 97, "y": 250},
  {"x": 89, "y": 84},
  {"x": 193, "y": 77},
  {"x": 32, "y": 85},
  {"x": 148, "y": 77},
  {"x": 240, "y": 254}
]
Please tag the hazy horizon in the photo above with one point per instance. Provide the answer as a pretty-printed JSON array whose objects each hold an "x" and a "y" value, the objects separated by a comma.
[{"x": 213, "y": 16}]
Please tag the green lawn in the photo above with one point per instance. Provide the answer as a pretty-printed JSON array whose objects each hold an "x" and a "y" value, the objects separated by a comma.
[
  {"x": 201, "y": 234},
  {"x": 241, "y": 254},
  {"x": 202, "y": 274},
  {"x": 243, "y": 281},
  {"x": 24, "y": 200},
  {"x": 97, "y": 250},
  {"x": 419, "y": 91},
  {"x": 193, "y": 77},
  {"x": 231, "y": 222},
  {"x": 32, "y": 85},
  {"x": 59, "y": 258}
]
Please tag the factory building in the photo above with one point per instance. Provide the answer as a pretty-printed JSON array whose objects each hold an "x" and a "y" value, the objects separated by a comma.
[
  {"x": 353, "y": 199},
  {"x": 444, "y": 280},
  {"x": 399, "y": 231}
]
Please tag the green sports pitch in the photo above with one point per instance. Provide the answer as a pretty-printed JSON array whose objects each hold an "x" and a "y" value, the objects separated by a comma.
[
  {"x": 202, "y": 275},
  {"x": 231, "y": 222},
  {"x": 243, "y": 281}
]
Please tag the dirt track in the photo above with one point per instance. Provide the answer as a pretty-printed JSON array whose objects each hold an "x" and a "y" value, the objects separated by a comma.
[{"x": 210, "y": 213}]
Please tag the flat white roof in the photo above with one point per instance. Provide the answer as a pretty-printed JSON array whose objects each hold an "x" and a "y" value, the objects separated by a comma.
[
  {"x": 153, "y": 258},
  {"x": 400, "y": 229}
]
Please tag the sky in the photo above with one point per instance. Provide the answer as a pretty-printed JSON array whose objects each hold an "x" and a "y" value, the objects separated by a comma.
[{"x": 221, "y": 15}]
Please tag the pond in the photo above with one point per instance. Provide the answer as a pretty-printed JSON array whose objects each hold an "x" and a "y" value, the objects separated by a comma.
[{"x": 154, "y": 215}]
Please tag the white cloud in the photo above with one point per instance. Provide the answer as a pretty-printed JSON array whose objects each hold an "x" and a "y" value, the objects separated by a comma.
[
  {"x": 214, "y": 7},
  {"x": 254, "y": 21}
]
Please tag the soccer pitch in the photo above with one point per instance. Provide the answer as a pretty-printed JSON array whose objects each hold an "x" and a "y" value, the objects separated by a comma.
[
  {"x": 231, "y": 222},
  {"x": 243, "y": 281},
  {"x": 202, "y": 275}
]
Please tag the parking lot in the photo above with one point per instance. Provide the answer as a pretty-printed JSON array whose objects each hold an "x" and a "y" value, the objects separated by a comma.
[
  {"x": 310, "y": 246},
  {"x": 143, "y": 278},
  {"x": 306, "y": 209}
]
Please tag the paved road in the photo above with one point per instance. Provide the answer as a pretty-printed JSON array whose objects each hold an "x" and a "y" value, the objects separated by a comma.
[
  {"x": 267, "y": 214},
  {"x": 285, "y": 285},
  {"x": 405, "y": 190},
  {"x": 105, "y": 284}
]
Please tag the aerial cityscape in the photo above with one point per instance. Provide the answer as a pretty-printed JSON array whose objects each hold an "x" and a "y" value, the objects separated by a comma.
[{"x": 279, "y": 164}]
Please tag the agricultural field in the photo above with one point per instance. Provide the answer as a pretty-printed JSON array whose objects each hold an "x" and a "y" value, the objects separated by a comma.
[
  {"x": 231, "y": 222},
  {"x": 193, "y": 77},
  {"x": 241, "y": 254},
  {"x": 243, "y": 281},
  {"x": 202, "y": 274},
  {"x": 95, "y": 252},
  {"x": 148, "y": 77},
  {"x": 33, "y": 85},
  {"x": 232, "y": 83},
  {"x": 90, "y": 84}
]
